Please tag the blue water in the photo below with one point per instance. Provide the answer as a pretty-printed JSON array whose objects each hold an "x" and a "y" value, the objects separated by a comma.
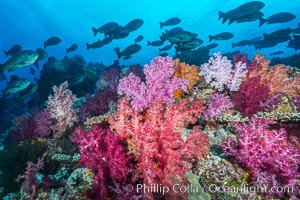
[{"x": 29, "y": 23}]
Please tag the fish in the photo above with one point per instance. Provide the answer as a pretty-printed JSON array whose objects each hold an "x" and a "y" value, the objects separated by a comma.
[
  {"x": 13, "y": 50},
  {"x": 127, "y": 57},
  {"x": 106, "y": 40},
  {"x": 281, "y": 17},
  {"x": 210, "y": 46},
  {"x": 119, "y": 33},
  {"x": 165, "y": 48},
  {"x": 155, "y": 43},
  {"x": 133, "y": 25},
  {"x": 170, "y": 22},
  {"x": 27, "y": 92},
  {"x": 94, "y": 45},
  {"x": 294, "y": 42},
  {"x": 189, "y": 45},
  {"x": 177, "y": 36},
  {"x": 276, "y": 53},
  {"x": 72, "y": 48},
  {"x": 241, "y": 11},
  {"x": 221, "y": 36},
  {"x": 279, "y": 36},
  {"x": 138, "y": 39},
  {"x": 42, "y": 55},
  {"x": 264, "y": 44},
  {"x": 164, "y": 54},
  {"x": 131, "y": 49},
  {"x": 240, "y": 43},
  {"x": 250, "y": 18},
  {"x": 54, "y": 40},
  {"x": 106, "y": 28},
  {"x": 15, "y": 85},
  {"x": 173, "y": 30},
  {"x": 20, "y": 60}
]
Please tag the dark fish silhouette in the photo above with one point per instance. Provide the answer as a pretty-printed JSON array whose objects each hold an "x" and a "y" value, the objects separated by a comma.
[
  {"x": 170, "y": 22},
  {"x": 173, "y": 30},
  {"x": 279, "y": 36},
  {"x": 281, "y": 17},
  {"x": 165, "y": 48},
  {"x": 72, "y": 48},
  {"x": 138, "y": 39},
  {"x": 94, "y": 45},
  {"x": 106, "y": 28},
  {"x": 155, "y": 43},
  {"x": 250, "y": 18},
  {"x": 54, "y": 40},
  {"x": 13, "y": 50},
  {"x": 241, "y": 11},
  {"x": 177, "y": 36},
  {"x": 128, "y": 51},
  {"x": 196, "y": 42},
  {"x": 276, "y": 53},
  {"x": 221, "y": 36},
  {"x": 164, "y": 54},
  {"x": 133, "y": 25}
]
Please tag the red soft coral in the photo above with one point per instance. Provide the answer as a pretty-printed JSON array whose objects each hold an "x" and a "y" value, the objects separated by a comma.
[
  {"x": 250, "y": 96},
  {"x": 102, "y": 152}
]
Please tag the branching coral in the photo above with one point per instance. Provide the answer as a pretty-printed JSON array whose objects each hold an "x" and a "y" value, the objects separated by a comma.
[
  {"x": 60, "y": 106},
  {"x": 267, "y": 153},
  {"x": 160, "y": 84}
]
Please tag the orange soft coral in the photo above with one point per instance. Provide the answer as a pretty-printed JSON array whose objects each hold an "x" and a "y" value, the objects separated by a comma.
[
  {"x": 191, "y": 73},
  {"x": 277, "y": 77}
]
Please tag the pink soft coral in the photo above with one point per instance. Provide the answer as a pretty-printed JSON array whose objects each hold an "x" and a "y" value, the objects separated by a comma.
[
  {"x": 219, "y": 104},
  {"x": 219, "y": 72},
  {"x": 163, "y": 155},
  {"x": 60, "y": 106},
  {"x": 160, "y": 84},
  {"x": 267, "y": 153}
]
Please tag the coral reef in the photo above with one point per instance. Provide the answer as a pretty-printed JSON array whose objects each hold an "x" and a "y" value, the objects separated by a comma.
[{"x": 211, "y": 132}]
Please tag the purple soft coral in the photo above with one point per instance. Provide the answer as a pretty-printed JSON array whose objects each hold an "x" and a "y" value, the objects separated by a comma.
[
  {"x": 267, "y": 153},
  {"x": 160, "y": 84},
  {"x": 219, "y": 104}
]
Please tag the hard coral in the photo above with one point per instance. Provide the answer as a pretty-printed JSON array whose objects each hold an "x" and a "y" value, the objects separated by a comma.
[
  {"x": 267, "y": 153},
  {"x": 160, "y": 84}
]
